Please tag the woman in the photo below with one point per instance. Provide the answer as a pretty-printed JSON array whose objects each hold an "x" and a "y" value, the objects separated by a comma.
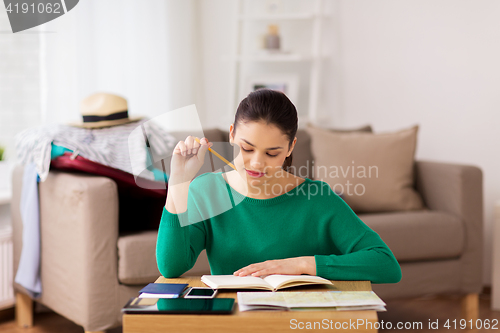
[{"x": 260, "y": 219}]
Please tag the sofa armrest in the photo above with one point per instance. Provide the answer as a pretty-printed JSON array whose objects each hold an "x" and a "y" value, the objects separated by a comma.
[
  {"x": 79, "y": 234},
  {"x": 458, "y": 190},
  {"x": 452, "y": 188}
]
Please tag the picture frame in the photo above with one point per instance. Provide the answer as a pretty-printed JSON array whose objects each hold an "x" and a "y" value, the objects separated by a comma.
[{"x": 286, "y": 83}]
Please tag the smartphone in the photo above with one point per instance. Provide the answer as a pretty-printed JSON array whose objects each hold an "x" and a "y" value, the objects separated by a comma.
[
  {"x": 200, "y": 292},
  {"x": 179, "y": 306}
]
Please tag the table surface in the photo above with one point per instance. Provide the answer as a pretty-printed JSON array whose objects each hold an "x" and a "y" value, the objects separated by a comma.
[{"x": 256, "y": 321}]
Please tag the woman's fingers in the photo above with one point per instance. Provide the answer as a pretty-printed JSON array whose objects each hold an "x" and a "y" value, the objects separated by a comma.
[
  {"x": 180, "y": 148},
  {"x": 293, "y": 266},
  {"x": 263, "y": 273},
  {"x": 250, "y": 269},
  {"x": 193, "y": 154},
  {"x": 196, "y": 146},
  {"x": 189, "y": 144}
]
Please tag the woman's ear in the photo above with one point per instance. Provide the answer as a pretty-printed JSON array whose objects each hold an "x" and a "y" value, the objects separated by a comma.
[
  {"x": 291, "y": 148},
  {"x": 231, "y": 136}
]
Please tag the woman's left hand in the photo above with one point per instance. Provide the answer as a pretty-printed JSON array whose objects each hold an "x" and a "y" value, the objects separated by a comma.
[{"x": 290, "y": 266}]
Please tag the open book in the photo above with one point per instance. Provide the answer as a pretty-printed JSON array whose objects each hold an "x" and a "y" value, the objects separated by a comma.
[
  {"x": 301, "y": 300},
  {"x": 270, "y": 282}
]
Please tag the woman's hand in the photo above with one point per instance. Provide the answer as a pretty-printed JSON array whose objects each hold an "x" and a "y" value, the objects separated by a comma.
[
  {"x": 290, "y": 266},
  {"x": 187, "y": 159}
]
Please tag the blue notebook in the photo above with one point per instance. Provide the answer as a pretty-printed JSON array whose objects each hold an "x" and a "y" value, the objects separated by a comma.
[{"x": 162, "y": 290}]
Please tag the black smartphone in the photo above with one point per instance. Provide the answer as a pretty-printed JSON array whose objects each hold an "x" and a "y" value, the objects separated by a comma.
[
  {"x": 179, "y": 305},
  {"x": 200, "y": 292}
]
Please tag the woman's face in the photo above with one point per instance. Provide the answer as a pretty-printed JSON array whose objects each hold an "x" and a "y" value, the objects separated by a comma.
[{"x": 262, "y": 151}]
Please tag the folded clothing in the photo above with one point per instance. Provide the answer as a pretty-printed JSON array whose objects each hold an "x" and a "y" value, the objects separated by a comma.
[{"x": 126, "y": 147}]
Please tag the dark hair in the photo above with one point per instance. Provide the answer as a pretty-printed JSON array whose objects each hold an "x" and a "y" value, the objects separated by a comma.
[{"x": 272, "y": 107}]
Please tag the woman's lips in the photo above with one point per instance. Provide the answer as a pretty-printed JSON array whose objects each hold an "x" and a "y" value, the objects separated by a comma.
[{"x": 254, "y": 174}]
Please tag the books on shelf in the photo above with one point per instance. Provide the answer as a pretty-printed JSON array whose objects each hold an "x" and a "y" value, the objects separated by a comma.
[
  {"x": 162, "y": 290},
  {"x": 270, "y": 282},
  {"x": 300, "y": 300}
]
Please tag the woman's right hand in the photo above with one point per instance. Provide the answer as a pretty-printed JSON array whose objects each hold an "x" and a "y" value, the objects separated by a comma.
[{"x": 187, "y": 159}]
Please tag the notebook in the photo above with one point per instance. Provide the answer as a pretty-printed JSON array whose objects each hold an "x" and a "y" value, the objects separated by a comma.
[
  {"x": 302, "y": 300},
  {"x": 162, "y": 290}
]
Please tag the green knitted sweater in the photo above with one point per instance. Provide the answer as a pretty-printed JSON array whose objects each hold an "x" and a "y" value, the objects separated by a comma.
[{"x": 236, "y": 231}]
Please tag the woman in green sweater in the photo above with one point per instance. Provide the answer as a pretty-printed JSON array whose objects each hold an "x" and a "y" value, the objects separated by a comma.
[{"x": 260, "y": 219}]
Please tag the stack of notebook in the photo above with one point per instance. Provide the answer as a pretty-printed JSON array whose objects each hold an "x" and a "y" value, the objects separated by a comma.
[{"x": 162, "y": 290}]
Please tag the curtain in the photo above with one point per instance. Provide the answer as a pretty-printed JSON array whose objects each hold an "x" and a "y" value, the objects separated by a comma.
[{"x": 145, "y": 51}]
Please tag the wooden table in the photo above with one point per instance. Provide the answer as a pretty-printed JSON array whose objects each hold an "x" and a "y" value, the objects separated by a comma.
[{"x": 256, "y": 321}]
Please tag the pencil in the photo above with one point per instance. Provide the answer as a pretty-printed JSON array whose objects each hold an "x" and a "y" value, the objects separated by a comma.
[{"x": 218, "y": 155}]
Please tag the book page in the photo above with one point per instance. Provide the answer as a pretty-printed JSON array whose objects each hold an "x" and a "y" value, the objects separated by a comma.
[
  {"x": 284, "y": 281},
  {"x": 231, "y": 281},
  {"x": 261, "y": 298},
  {"x": 356, "y": 298},
  {"x": 300, "y": 299},
  {"x": 309, "y": 299}
]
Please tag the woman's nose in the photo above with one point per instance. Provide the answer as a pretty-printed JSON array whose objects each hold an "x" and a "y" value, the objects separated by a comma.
[{"x": 256, "y": 163}]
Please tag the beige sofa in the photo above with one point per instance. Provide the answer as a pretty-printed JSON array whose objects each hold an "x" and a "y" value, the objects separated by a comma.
[{"x": 89, "y": 269}]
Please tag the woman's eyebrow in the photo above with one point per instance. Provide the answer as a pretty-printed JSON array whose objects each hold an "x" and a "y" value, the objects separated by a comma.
[{"x": 273, "y": 148}]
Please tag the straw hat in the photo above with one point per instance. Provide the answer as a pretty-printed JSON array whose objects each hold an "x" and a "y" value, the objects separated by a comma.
[{"x": 104, "y": 110}]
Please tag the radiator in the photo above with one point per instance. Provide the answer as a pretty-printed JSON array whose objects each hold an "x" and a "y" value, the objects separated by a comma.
[
  {"x": 6, "y": 268},
  {"x": 495, "y": 283}
]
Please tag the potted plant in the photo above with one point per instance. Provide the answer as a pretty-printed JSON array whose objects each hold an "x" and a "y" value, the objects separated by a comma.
[{"x": 5, "y": 172}]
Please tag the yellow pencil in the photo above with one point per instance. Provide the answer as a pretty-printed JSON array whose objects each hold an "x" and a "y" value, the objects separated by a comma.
[{"x": 218, "y": 155}]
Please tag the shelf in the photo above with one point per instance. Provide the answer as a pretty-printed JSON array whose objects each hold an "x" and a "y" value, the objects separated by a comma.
[
  {"x": 304, "y": 60},
  {"x": 283, "y": 57},
  {"x": 285, "y": 16},
  {"x": 5, "y": 197}
]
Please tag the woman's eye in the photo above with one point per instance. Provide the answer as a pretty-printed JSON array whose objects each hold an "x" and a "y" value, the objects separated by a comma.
[{"x": 249, "y": 150}]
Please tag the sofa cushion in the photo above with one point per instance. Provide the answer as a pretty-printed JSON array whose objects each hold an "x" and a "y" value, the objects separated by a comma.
[
  {"x": 137, "y": 258},
  {"x": 213, "y": 135},
  {"x": 420, "y": 235},
  {"x": 302, "y": 158},
  {"x": 374, "y": 172}
]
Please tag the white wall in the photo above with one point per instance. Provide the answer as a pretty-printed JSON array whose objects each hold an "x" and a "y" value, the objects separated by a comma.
[
  {"x": 435, "y": 63},
  {"x": 217, "y": 43}
]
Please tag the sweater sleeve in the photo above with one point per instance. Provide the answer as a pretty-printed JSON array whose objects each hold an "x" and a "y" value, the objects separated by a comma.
[
  {"x": 364, "y": 255},
  {"x": 177, "y": 248}
]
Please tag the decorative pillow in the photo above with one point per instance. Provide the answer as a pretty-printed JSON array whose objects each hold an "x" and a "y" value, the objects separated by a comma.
[
  {"x": 302, "y": 159},
  {"x": 373, "y": 171}
]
